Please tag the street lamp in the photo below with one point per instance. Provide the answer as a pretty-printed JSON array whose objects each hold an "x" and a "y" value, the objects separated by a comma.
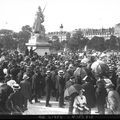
[{"x": 61, "y": 29}]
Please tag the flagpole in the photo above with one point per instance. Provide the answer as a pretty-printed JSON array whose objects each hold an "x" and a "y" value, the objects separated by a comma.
[{"x": 44, "y": 8}]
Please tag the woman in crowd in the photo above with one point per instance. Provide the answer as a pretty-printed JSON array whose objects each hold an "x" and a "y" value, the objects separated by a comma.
[
  {"x": 80, "y": 104},
  {"x": 113, "y": 100}
]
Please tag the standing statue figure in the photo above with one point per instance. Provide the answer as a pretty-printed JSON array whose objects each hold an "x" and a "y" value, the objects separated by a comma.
[{"x": 37, "y": 26}]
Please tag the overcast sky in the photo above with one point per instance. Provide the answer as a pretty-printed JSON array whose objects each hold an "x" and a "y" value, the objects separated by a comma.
[{"x": 73, "y": 14}]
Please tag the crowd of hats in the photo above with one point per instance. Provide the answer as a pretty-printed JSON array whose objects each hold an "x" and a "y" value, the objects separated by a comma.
[{"x": 64, "y": 61}]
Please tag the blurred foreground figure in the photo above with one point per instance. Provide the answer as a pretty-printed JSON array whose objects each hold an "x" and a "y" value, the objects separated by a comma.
[
  {"x": 113, "y": 100},
  {"x": 14, "y": 101},
  {"x": 5, "y": 91}
]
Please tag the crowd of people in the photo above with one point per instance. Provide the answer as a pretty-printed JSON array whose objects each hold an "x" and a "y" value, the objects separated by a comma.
[{"x": 26, "y": 76}]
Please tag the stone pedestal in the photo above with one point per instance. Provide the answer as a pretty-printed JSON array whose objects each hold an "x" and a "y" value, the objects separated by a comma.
[
  {"x": 37, "y": 40},
  {"x": 39, "y": 46}
]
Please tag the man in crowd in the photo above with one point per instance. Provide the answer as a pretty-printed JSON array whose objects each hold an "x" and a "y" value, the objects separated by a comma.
[
  {"x": 60, "y": 83},
  {"x": 25, "y": 90},
  {"x": 48, "y": 85},
  {"x": 36, "y": 83}
]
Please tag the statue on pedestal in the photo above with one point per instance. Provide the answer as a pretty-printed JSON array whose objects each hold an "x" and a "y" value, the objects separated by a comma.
[
  {"x": 38, "y": 28},
  {"x": 38, "y": 42}
]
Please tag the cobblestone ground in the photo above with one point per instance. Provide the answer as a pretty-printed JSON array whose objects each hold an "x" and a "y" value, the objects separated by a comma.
[{"x": 40, "y": 109}]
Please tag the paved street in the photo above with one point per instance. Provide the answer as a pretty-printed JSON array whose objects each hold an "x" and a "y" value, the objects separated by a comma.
[{"x": 40, "y": 109}]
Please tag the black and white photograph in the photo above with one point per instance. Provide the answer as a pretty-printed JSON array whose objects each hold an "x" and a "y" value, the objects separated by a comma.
[{"x": 59, "y": 57}]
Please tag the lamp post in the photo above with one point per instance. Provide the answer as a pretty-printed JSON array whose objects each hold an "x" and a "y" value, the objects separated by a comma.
[{"x": 61, "y": 30}]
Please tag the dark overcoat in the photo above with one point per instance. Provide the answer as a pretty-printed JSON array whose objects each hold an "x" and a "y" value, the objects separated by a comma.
[
  {"x": 60, "y": 84},
  {"x": 89, "y": 94},
  {"x": 48, "y": 83},
  {"x": 25, "y": 88},
  {"x": 5, "y": 91},
  {"x": 36, "y": 82},
  {"x": 101, "y": 93}
]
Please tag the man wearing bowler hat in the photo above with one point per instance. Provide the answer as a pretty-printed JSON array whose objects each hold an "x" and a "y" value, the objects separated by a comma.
[
  {"x": 48, "y": 85},
  {"x": 60, "y": 85},
  {"x": 25, "y": 90}
]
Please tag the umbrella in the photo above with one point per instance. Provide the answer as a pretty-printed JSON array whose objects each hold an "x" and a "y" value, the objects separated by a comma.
[
  {"x": 80, "y": 72},
  {"x": 103, "y": 55},
  {"x": 94, "y": 54},
  {"x": 85, "y": 60},
  {"x": 71, "y": 90},
  {"x": 99, "y": 67}
]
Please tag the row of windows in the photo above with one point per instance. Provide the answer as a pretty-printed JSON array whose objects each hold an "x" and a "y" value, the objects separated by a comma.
[
  {"x": 84, "y": 32},
  {"x": 62, "y": 32},
  {"x": 98, "y": 34}
]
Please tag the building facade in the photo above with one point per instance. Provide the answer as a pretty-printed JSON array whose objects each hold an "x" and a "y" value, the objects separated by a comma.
[
  {"x": 88, "y": 33},
  {"x": 117, "y": 30},
  {"x": 62, "y": 35}
]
